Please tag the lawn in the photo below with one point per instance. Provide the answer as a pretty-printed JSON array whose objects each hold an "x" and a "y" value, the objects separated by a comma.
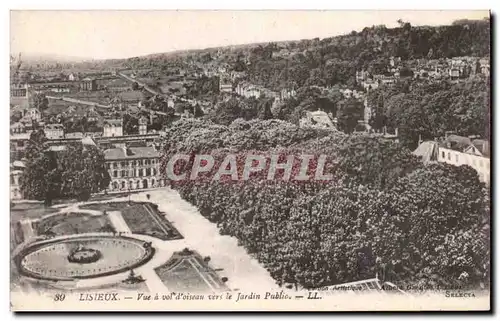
[
  {"x": 142, "y": 218},
  {"x": 73, "y": 223},
  {"x": 111, "y": 206},
  {"x": 145, "y": 219},
  {"x": 187, "y": 272},
  {"x": 22, "y": 211}
]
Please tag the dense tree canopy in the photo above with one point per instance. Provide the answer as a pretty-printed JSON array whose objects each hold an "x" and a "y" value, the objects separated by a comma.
[
  {"x": 384, "y": 213},
  {"x": 76, "y": 172},
  {"x": 432, "y": 109}
]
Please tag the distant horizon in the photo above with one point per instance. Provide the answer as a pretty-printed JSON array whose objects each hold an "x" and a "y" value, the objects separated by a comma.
[{"x": 105, "y": 34}]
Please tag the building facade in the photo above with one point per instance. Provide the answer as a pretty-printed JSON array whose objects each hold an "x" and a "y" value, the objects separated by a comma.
[
  {"x": 143, "y": 125},
  {"x": 16, "y": 170},
  {"x": 457, "y": 151},
  {"x": 113, "y": 128},
  {"x": 88, "y": 85},
  {"x": 133, "y": 168},
  {"x": 54, "y": 131},
  {"x": 20, "y": 90},
  {"x": 479, "y": 163}
]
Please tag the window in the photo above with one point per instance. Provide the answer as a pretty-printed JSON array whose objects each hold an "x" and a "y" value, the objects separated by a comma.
[
  {"x": 148, "y": 172},
  {"x": 115, "y": 165},
  {"x": 456, "y": 158},
  {"x": 124, "y": 173},
  {"x": 449, "y": 156},
  {"x": 154, "y": 171},
  {"x": 139, "y": 162},
  {"x": 140, "y": 172},
  {"x": 122, "y": 164},
  {"x": 108, "y": 165},
  {"x": 133, "y": 163},
  {"x": 20, "y": 143},
  {"x": 115, "y": 174}
]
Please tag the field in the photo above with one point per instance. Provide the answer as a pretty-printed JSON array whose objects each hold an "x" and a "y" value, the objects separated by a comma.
[
  {"x": 59, "y": 106},
  {"x": 129, "y": 96},
  {"x": 100, "y": 96},
  {"x": 186, "y": 271}
]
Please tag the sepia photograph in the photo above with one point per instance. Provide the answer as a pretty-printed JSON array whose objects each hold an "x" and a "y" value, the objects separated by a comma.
[{"x": 239, "y": 160}]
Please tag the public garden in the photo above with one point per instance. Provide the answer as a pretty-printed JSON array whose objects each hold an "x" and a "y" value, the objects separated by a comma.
[{"x": 146, "y": 241}]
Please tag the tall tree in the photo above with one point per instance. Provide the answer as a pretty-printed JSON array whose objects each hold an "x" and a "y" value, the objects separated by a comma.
[
  {"x": 78, "y": 171},
  {"x": 348, "y": 114}
]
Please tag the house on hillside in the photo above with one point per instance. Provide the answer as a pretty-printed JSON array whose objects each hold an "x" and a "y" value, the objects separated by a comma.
[
  {"x": 113, "y": 128},
  {"x": 17, "y": 128},
  {"x": 317, "y": 119},
  {"x": 485, "y": 66},
  {"x": 458, "y": 150},
  {"x": 88, "y": 84},
  {"x": 19, "y": 90},
  {"x": 92, "y": 115},
  {"x": 31, "y": 115},
  {"x": 54, "y": 131},
  {"x": 73, "y": 77}
]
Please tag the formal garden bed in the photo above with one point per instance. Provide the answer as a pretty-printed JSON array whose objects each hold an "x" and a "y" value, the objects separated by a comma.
[
  {"x": 146, "y": 219},
  {"x": 72, "y": 223},
  {"x": 187, "y": 271},
  {"x": 141, "y": 217}
]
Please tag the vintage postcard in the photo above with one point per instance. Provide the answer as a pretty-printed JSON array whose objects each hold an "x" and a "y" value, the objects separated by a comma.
[{"x": 250, "y": 160}]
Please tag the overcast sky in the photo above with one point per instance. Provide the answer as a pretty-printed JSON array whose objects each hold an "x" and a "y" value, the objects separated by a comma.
[{"x": 122, "y": 34}]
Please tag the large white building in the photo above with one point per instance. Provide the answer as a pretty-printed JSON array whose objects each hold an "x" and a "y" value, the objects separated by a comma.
[
  {"x": 132, "y": 168},
  {"x": 113, "y": 128},
  {"x": 457, "y": 150}
]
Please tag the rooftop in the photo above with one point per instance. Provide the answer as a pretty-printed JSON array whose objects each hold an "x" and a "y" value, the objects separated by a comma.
[
  {"x": 132, "y": 152},
  {"x": 113, "y": 122},
  {"x": 74, "y": 135},
  {"x": 54, "y": 126},
  {"x": 428, "y": 151}
]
